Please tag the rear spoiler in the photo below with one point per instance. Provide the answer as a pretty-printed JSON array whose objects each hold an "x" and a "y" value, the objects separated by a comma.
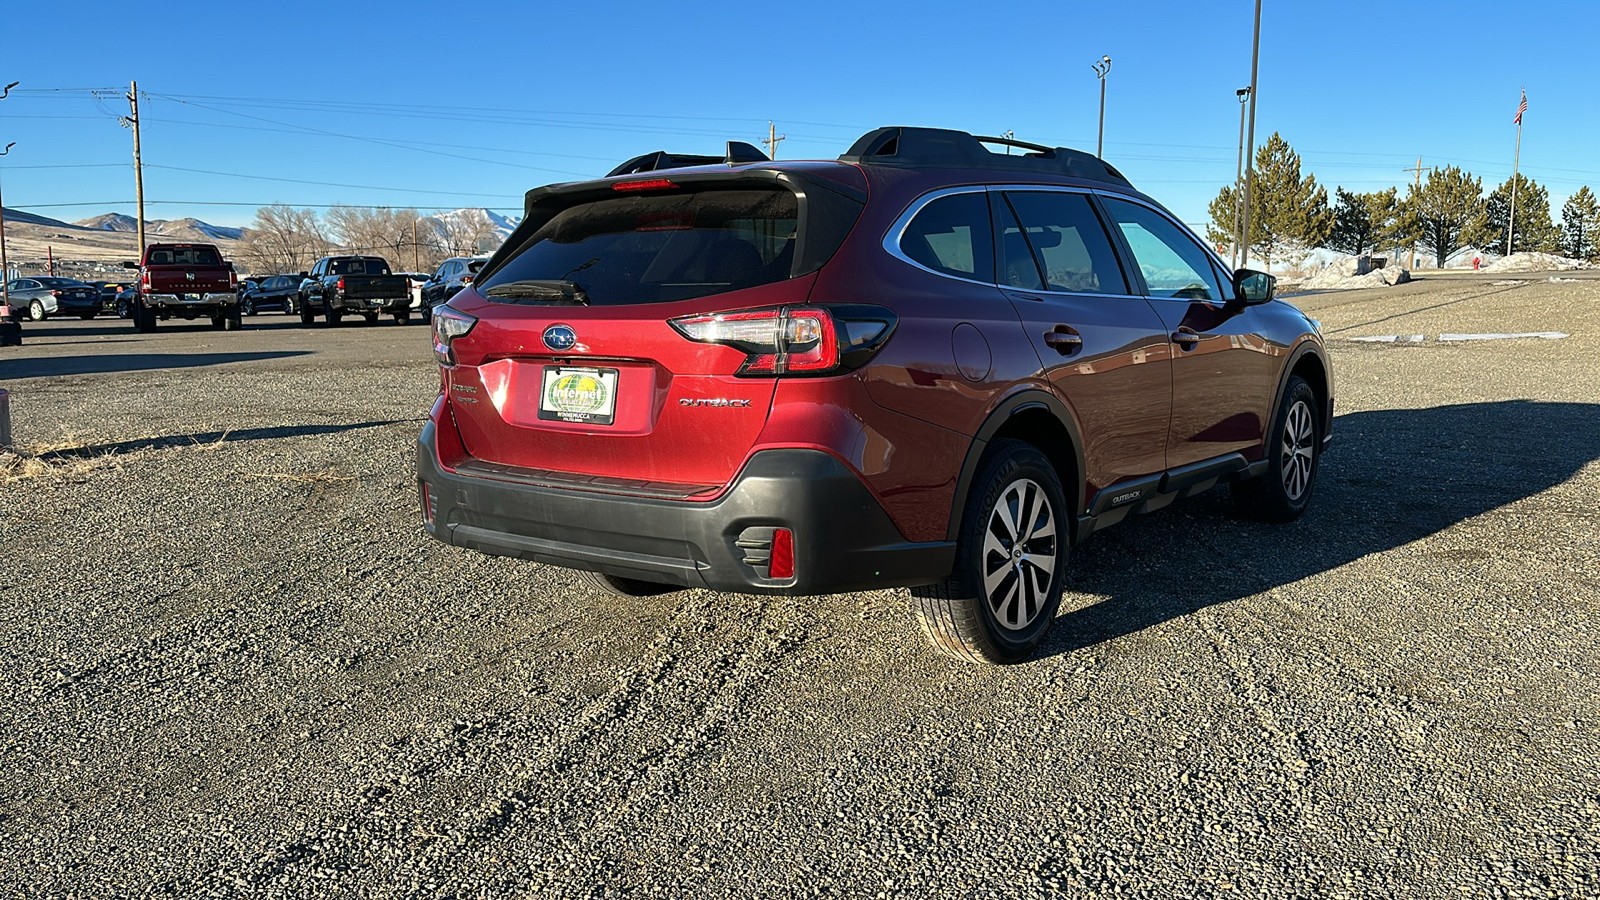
[{"x": 738, "y": 152}]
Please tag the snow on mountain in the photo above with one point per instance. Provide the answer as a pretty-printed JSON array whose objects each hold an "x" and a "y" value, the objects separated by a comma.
[
  {"x": 189, "y": 229},
  {"x": 472, "y": 219}
]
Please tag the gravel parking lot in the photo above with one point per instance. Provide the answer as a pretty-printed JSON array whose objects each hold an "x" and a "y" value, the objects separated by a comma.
[{"x": 233, "y": 664}]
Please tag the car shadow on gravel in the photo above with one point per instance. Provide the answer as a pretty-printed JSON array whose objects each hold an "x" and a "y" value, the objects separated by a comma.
[
  {"x": 227, "y": 436},
  {"x": 1391, "y": 477},
  {"x": 98, "y": 364}
]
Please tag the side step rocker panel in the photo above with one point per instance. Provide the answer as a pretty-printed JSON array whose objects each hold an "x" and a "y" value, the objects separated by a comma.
[{"x": 1142, "y": 495}]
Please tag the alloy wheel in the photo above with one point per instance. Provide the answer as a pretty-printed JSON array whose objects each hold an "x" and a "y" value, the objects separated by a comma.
[
  {"x": 1297, "y": 450},
  {"x": 1019, "y": 554}
]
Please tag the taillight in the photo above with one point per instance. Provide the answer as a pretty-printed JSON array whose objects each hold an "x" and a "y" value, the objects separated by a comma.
[
  {"x": 794, "y": 340},
  {"x": 55, "y": 293},
  {"x": 466, "y": 279},
  {"x": 339, "y": 285},
  {"x": 449, "y": 323},
  {"x": 233, "y": 280}
]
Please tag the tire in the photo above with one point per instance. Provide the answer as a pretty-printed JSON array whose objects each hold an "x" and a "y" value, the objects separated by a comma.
[
  {"x": 307, "y": 315},
  {"x": 233, "y": 320},
  {"x": 289, "y": 307},
  {"x": 247, "y": 308},
  {"x": 1002, "y": 619},
  {"x": 36, "y": 311},
  {"x": 124, "y": 310},
  {"x": 1294, "y": 448},
  {"x": 617, "y": 586},
  {"x": 144, "y": 320},
  {"x": 370, "y": 318},
  {"x": 402, "y": 318},
  {"x": 334, "y": 316}
]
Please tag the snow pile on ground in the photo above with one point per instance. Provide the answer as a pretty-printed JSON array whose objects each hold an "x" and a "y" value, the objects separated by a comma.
[
  {"x": 1341, "y": 276},
  {"x": 1535, "y": 262}
]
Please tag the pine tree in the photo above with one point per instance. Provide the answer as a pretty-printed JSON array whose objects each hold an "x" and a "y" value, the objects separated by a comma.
[
  {"x": 1580, "y": 225},
  {"x": 1534, "y": 231},
  {"x": 1362, "y": 222},
  {"x": 1447, "y": 208},
  {"x": 1287, "y": 212}
]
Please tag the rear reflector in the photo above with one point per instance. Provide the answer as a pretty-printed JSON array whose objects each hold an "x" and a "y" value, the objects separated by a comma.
[
  {"x": 782, "y": 554},
  {"x": 427, "y": 502}
]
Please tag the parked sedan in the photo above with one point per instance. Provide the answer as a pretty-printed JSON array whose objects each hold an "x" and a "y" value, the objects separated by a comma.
[
  {"x": 44, "y": 296},
  {"x": 280, "y": 292}
]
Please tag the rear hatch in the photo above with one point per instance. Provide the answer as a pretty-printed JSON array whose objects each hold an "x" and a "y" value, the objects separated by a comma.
[{"x": 589, "y": 362}]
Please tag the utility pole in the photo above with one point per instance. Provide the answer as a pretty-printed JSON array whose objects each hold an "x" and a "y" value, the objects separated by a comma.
[
  {"x": 1416, "y": 188},
  {"x": 132, "y": 121},
  {"x": 1238, "y": 181},
  {"x": 415, "y": 250},
  {"x": 1250, "y": 146},
  {"x": 773, "y": 139},
  {"x": 1101, "y": 69}
]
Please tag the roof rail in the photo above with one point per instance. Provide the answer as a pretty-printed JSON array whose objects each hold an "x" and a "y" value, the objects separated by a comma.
[
  {"x": 906, "y": 146},
  {"x": 738, "y": 152}
]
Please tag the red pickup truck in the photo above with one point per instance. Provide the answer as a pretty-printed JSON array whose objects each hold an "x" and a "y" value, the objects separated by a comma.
[{"x": 187, "y": 281}]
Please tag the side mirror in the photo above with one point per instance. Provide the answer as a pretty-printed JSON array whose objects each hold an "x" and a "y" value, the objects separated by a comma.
[
  {"x": 129, "y": 264},
  {"x": 305, "y": 274},
  {"x": 1252, "y": 287}
]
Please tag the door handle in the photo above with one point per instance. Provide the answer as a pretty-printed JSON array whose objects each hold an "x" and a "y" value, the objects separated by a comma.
[
  {"x": 1186, "y": 338},
  {"x": 1064, "y": 340}
]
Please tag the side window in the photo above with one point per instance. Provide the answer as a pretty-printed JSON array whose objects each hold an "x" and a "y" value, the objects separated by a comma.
[
  {"x": 1173, "y": 265},
  {"x": 953, "y": 235},
  {"x": 1017, "y": 266},
  {"x": 1069, "y": 242}
]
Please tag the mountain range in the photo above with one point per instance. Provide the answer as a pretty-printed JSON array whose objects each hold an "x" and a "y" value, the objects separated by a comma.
[{"x": 190, "y": 229}]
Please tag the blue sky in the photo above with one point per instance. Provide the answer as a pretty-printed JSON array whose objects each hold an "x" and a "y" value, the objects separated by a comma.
[{"x": 439, "y": 106}]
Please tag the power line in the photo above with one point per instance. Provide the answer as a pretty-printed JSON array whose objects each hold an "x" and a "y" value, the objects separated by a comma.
[{"x": 369, "y": 187}]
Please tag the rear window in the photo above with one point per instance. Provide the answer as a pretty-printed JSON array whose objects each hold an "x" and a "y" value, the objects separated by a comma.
[
  {"x": 185, "y": 256},
  {"x": 359, "y": 266},
  {"x": 656, "y": 248}
]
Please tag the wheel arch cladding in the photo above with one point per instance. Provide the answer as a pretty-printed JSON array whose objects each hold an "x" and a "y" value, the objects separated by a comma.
[
  {"x": 1311, "y": 368},
  {"x": 1034, "y": 418}
]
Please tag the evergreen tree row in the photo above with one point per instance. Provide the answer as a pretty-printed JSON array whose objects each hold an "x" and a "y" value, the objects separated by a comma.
[{"x": 1447, "y": 213}]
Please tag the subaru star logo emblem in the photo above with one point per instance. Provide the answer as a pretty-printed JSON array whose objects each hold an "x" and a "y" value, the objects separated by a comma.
[{"x": 560, "y": 337}]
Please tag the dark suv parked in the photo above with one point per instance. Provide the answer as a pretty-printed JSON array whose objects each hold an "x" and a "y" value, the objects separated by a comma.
[{"x": 925, "y": 364}]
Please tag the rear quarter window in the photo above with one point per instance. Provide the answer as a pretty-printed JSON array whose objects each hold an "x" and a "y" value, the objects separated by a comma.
[{"x": 952, "y": 235}]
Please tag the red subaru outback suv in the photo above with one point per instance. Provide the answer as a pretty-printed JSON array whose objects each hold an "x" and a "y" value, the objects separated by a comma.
[{"x": 926, "y": 364}]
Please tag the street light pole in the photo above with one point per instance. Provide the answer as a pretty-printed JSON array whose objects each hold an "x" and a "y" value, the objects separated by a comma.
[
  {"x": 1250, "y": 144},
  {"x": 5, "y": 266},
  {"x": 1238, "y": 180},
  {"x": 1100, "y": 69}
]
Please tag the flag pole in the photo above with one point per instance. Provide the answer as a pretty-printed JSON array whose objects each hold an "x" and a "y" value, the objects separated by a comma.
[{"x": 1511, "y": 224}]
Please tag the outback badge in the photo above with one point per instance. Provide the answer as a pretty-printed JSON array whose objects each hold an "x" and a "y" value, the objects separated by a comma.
[{"x": 560, "y": 337}]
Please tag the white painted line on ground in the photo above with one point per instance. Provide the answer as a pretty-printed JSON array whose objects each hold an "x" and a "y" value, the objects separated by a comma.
[
  {"x": 1544, "y": 335},
  {"x": 1391, "y": 339}
]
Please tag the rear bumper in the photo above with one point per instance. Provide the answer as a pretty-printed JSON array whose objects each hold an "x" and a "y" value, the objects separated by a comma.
[
  {"x": 843, "y": 539},
  {"x": 373, "y": 304},
  {"x": 179, "y": 301}
]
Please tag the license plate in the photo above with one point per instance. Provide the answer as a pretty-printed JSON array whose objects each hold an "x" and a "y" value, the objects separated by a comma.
[{"x": 578, "y": 395}]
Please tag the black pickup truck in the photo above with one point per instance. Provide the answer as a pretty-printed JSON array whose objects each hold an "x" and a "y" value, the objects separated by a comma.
[{"x": 358, "y": 285}]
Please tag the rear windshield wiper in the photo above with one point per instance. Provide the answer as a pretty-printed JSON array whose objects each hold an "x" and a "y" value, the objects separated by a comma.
[{"x": 552, "y": 290}]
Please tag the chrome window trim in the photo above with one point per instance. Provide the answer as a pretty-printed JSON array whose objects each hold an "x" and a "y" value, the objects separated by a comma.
[{"x": 896, "y": 233}]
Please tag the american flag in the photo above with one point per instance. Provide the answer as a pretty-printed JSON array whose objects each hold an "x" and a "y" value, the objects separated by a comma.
[{"x": 1522, "y": 108}]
